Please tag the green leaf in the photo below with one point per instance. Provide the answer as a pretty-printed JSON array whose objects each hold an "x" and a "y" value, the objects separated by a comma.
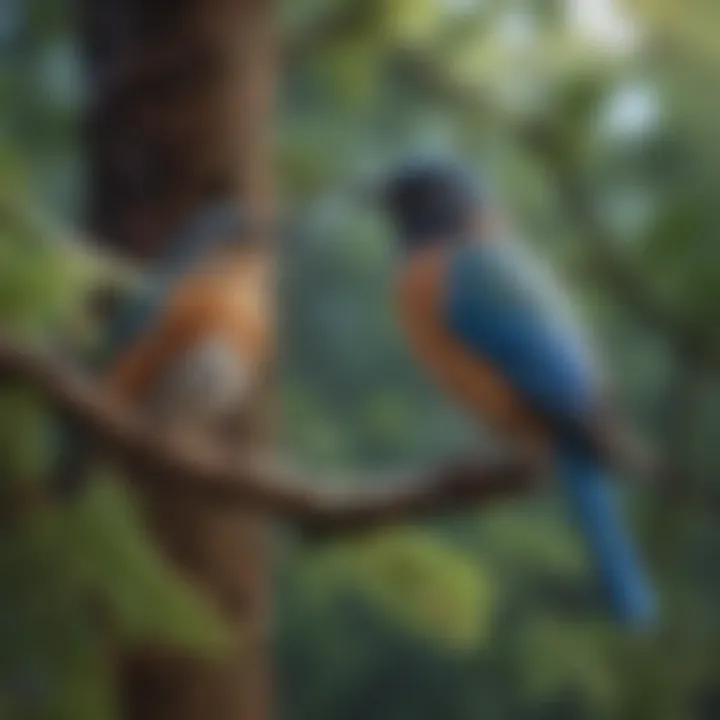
[
  {"x": 148, "y": 598},
  {"x": 428, "y": 586},
  {"x": 411, "y": 22}
]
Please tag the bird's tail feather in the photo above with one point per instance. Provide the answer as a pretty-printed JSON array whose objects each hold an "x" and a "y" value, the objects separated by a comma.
[{"x": 608, "y": 540}]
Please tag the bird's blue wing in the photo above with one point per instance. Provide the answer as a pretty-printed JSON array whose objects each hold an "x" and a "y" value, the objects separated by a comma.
[{"x": 501, "y": 306}]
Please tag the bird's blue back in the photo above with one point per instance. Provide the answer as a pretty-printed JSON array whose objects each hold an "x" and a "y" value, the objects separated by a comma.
[{"x": 503, "y": 306}]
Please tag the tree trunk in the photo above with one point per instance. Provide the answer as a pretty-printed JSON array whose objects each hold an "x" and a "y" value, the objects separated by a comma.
[{"x": 181, "y": 114}]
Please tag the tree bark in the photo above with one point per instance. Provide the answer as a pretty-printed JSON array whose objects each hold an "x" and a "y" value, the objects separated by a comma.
[{"x": 180, "y": 115}]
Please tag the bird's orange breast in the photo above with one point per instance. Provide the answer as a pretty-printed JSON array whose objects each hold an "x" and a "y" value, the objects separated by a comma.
[
  {"x": 230, "y": 302},
  {"x": 469, "y": 379}
]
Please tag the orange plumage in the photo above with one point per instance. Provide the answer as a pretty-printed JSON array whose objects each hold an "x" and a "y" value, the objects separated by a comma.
[
  {"x": 476, "y": 384},
  {"x": 226, "y": 301}
]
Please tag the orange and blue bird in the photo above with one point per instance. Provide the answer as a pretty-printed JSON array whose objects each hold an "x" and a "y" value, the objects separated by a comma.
[
  {"x": 489, "y": 321},
  {"x": 191, "y": 347}
]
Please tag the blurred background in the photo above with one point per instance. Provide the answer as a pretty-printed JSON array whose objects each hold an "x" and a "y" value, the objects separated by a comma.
[{"x": 595, "y": 124}]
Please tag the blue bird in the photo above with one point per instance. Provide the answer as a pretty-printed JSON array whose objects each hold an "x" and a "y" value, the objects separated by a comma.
[{"x": 490, "y": 322}]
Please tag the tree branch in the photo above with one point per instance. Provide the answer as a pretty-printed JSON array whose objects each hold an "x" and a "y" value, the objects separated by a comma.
[
  {"x": 210, "y": 473},
  {"x": 202, "y": 469}
]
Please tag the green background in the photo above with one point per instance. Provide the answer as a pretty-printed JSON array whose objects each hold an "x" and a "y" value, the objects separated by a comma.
[{"x": 491, "y": 614}]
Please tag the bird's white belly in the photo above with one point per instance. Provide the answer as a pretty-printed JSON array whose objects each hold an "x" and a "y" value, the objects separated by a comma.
[{"x": 209, "y": 383}]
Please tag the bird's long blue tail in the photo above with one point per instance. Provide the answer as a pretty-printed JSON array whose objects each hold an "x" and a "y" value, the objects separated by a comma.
[{"x": 623, "y": 577}]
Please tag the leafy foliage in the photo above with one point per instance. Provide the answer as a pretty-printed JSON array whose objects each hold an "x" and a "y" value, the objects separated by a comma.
[
  {"x": 425, "y": 585},
  {"x": 490, "y": 616}
]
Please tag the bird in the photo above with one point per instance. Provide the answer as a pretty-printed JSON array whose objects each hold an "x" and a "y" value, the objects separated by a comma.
[
  {"x": 192, "y": 346},
  {"x": 489, "y": 320}
]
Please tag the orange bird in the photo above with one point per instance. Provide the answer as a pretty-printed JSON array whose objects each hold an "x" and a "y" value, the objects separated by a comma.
[{"x": 193, "y": 346}]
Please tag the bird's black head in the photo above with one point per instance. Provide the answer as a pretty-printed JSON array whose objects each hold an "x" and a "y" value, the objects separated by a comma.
[{"x": 430, "y": 203}]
